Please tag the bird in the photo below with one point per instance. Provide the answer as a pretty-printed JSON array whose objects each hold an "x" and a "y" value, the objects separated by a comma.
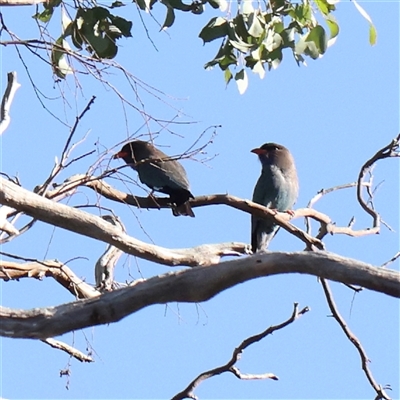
[
  {"x": 160, "y": 173},
  {"x": 277, "y": 188}
]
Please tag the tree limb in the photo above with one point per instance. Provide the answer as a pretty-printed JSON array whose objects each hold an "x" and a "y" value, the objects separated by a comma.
[
  {"x": 230, "y": 365},
  {"x": 60, "y": 272},
  {"x": 95, "y": 227},
  {"x": 191, "y": 285},
  {"x": 381, "y": 394}
]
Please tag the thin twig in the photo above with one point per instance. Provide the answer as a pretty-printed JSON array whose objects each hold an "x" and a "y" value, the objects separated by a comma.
[
  {"x": 354, "y": 340},
  {"x": 78, "y": 355}
]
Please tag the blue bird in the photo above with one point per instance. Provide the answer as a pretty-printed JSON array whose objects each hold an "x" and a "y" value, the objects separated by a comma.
[
  {"x": 277, "y": 188},
  {"x": 160, "y": 173}
]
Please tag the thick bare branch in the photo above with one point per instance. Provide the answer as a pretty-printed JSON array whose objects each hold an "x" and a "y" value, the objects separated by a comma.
[
  {"x": 95, "y": 227},
  {"x": 191, "y": 285},
  {"x": 230, "y": 365}
]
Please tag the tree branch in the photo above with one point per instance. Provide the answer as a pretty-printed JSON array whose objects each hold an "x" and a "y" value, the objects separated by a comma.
[
  {"x": 191, "y": 285},
  {"x": 381, "y": 394},
  {"x": 12, "y": 86},
  {"x": 230, "y": 365},
  {"x": 50, "y": 268},
  {"x": 95, "y": 227},
  {"x": 56, "y": 344}
]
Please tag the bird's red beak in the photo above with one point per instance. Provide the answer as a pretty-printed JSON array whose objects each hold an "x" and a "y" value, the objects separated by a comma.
[
  {"x": 259, "y": 151},
  {"x": 120, "y": 154}
]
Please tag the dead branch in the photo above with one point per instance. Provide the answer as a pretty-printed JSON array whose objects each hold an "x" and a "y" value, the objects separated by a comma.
[
  {"x": 6, "y": 226},
  {"x": 248, "y": 206},
  {"x": 381, "y": 394},
  {"x": 391, "y": 150},
  {"x": 21, "y": 2},
  {"x": 95, "y": 227},
  {"x": 237, "y": 353},
  {"x": 50, "y": 268},
  {"x": 191, "y": 285},
  {"x": 78, "y": 355},
  {"x": 12, "y": 87},
  {"x": 104, "y": 268}
]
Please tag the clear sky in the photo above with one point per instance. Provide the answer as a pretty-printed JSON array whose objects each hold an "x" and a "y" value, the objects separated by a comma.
[{"x": 333, "y": 115}]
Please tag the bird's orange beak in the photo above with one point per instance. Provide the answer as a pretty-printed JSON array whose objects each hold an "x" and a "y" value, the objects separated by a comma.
[
  {"x": 120, "y": 154},
  {"x": 259, "y": 151}
]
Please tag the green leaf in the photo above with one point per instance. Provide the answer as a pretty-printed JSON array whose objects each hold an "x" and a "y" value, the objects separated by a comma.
[
  {"x": 372, "y": 29},
  {"x": 273, "y": 40},
  {"x": 221, "y": 4},
  {"x": 66, "y": 22},
  {"x": 240, "y": 45},
  {"x": 117, "y": 4},
  {"x": 122, "y": 24},
  {"x": 242, "y": 81},
  {"x": 372, "y": 35},
  {"x": 259, "y": 69},
  {"x": 142, "y": 4},
  {"x": 177, "y": 4},
  {"x": 333, "y": 26},
  {"x": 247, "y": 7},
  {"x": 228, "y": 76},
  {"x": 302, "y": 13},
  {"x": 323, "y": 6},
  {"x": 257, "y": 28},
  {"x": 318, "y": 36},
  {"x": 76, "y": 36},
  {"x": 45, "y": 15},
  {"x": 169, "y": 18},
  {"x": 216, "y": 28},
  {"x": 224, "y": 57},
  {"x": 58, "y": 60}
]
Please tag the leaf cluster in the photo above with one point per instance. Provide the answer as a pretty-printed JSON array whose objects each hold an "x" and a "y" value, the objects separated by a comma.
[{"x": 254, "y": 38}]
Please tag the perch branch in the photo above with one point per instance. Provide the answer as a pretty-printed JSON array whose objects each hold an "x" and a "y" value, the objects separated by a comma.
[
  {"x": 95, "y": 227},
  {"x": 237, "y": 353},
  {"x": 191, "y": 285}
]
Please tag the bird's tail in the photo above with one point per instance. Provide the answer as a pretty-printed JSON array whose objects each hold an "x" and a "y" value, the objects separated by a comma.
[{"x": 183, "y": 209}]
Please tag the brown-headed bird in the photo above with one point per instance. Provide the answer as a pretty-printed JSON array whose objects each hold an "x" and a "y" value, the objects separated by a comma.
[
  {"x": 159, "y": 173},
  {"x": 277, "y": 188}
]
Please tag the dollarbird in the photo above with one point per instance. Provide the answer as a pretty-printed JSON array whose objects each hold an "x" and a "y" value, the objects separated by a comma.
[
  {"x": 277, "y": 188},
  {"x": 157, "y": 171}
]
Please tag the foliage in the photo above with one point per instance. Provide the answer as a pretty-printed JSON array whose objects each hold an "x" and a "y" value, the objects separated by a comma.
[{"x": 254, "y": 38}]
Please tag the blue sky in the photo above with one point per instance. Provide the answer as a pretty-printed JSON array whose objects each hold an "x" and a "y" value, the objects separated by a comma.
[{"x": 333, "y": 115}]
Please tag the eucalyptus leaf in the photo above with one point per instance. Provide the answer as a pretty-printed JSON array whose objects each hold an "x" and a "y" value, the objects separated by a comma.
[
  {"x": 317, "y": 35},
  {"x": 228, "y": 76},
  {"x": 216, "y": 28},
  {"x": 242, "y": 81},
  {"x": 58, "y": 60},
  {"x": 169, "y": 18}
]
